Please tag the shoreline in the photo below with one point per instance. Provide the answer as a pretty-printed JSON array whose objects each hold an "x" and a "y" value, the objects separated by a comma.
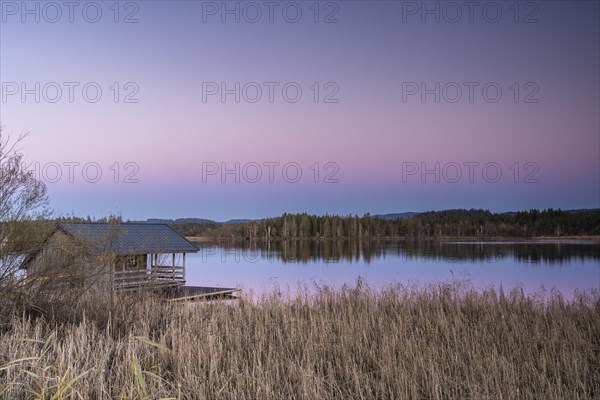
[{"x": 595, "y": 238}]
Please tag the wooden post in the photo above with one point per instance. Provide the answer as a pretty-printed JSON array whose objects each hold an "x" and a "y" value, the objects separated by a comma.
[
  {"x": 152, "y": 265},
  {"x": 173, "y": 267},
  {"x": 184, "y": 268}
]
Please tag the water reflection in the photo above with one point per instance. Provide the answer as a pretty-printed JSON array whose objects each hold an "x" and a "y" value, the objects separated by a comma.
[
  {"x": 261, "y": 266},
  {"x": 354, "y": 251}
]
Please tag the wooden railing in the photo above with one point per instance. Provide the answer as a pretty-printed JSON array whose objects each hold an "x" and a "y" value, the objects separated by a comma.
[{"x": 159, "y": 276}]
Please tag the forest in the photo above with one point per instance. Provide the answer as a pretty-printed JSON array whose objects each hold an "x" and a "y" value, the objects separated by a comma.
[{"x": 476, "y": 223}]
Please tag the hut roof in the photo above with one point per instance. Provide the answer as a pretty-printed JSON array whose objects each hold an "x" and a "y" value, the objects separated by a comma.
[{"x": 130, "y": 237}]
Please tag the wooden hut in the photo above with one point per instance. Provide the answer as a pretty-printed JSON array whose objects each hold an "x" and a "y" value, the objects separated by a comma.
[{"x": 115, "y": 256}]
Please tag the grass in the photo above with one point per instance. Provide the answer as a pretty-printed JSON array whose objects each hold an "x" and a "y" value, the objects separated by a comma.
[{"x": 439, "y": 342}]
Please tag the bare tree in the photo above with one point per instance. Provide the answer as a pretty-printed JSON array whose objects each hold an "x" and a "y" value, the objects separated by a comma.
[
  {"x": 23, "y": 207},
  {"x": 67, "y": 269}
]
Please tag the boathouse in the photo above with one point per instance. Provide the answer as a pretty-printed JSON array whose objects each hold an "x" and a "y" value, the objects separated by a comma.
[{"x": 114, "y": 256}]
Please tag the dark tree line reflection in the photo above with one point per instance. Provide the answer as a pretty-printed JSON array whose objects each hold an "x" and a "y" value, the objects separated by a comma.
[{"x": 426, "y": 251}]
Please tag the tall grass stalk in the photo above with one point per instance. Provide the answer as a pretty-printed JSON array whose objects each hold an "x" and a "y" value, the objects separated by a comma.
[{"x": 438, "y": 342}]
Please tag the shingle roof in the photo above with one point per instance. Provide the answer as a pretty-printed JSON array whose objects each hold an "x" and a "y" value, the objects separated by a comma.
[{"x": 129, "y": 237}]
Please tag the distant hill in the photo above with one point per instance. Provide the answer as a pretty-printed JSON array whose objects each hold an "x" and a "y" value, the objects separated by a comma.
[
  {"x": 199, "y": 221},
  {"x": 180, "y": 221},
  {"x": 582, "y": 210},
  {"x": 387, "y": 217},
  {"x": 395, "y": 216},
  {"x": 239, "y": 221}
]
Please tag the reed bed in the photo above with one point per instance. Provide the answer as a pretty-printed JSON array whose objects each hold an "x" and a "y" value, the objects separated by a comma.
[{"x": 435, "y": 342}]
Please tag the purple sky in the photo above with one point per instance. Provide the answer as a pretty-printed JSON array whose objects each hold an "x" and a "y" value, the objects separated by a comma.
[{"x": 367, "y": 138}]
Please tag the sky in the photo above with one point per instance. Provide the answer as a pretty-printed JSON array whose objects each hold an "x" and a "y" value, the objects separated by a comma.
[{"x": 221, "y": 110}]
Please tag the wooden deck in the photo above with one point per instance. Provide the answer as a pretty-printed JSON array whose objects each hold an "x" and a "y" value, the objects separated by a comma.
[
  {"x": 169, "y": 280},
  {"x": 192, "y": 293}
]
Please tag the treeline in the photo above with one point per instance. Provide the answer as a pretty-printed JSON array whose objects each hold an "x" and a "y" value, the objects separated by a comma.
[{"x": 456, "y": 223}]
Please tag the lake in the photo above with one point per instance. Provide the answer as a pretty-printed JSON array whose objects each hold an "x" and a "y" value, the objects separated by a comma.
[{"x": 536, "y": 266}]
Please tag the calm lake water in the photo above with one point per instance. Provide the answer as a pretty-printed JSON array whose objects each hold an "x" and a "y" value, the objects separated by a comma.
[{"x": 566, "y": 265}]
